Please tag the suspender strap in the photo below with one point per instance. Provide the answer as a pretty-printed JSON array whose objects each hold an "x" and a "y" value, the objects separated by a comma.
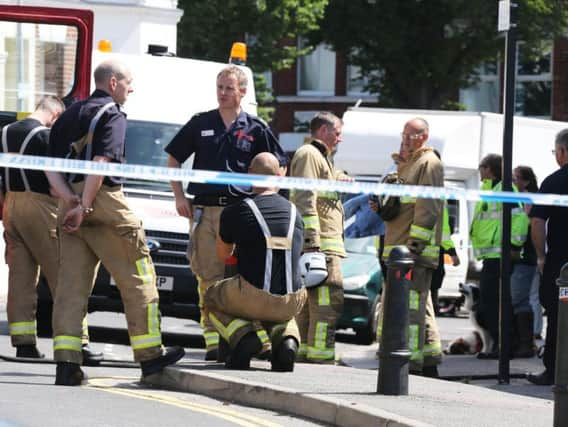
[
  {"x": 280, "y": 243},
  {"x": 87, "y": 139},
  {"x": 23, "y": 147},
  {"x": 5, "y": 150}
]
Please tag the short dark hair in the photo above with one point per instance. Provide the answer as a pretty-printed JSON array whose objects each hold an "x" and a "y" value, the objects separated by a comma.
[
  {"x": 562, "y": 139},
  {"x": 527, "y": 174},
  {"x": 323, "y": 118},
  {"x": 493, "y": 162}
]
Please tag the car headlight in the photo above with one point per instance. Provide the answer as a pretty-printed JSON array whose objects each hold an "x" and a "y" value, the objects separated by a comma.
[{"x": 355, "y": 282}]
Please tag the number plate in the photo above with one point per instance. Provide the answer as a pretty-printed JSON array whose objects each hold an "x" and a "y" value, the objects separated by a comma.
[{"x": 163, "y": 283}]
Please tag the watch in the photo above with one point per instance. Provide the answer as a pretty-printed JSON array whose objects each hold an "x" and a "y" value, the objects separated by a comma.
[{"x": 85, "y": 210}]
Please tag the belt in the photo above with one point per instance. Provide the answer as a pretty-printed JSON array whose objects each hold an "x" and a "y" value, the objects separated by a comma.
[{"x": 212, "y": 200}]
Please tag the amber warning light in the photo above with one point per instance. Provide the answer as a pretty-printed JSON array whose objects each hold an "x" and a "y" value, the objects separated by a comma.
[
  {"x": 238, "y": 54},
  {"x": 105, "y": 46}
]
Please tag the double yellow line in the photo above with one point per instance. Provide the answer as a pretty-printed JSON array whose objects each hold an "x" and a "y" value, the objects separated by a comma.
[{"x": 232, "y": 416}]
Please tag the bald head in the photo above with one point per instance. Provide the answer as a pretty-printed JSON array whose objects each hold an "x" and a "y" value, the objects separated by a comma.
[
  {"x": 265, "y": 164},
  {"x": 114, "y": 78}
]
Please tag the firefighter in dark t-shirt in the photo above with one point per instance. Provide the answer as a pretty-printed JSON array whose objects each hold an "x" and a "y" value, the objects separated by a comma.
[
  {"x": 225, "y": 139},
  {"x": 266, "y": 231},
  {"x": 549, "y": 230}
]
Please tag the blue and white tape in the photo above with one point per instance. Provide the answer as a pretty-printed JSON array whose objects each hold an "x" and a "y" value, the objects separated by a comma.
[{"x": 157, "y": 173}]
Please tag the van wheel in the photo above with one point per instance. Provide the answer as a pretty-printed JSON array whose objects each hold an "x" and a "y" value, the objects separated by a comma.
[{"x": 43, "y": 318}]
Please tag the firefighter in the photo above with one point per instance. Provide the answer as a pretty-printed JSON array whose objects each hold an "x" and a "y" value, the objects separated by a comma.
[
  {"x": 418, "y": 226},
  {"x": 30, "y": 222},
  {"x": 101, "y": 227},
  {"x": 225, "y": 139},
  {"x": 486, "y": 240},
  {"x": 264, "y": 227},
  {"x": 322, "y": 213}
]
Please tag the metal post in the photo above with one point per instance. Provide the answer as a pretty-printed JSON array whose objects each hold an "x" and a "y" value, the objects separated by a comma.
[
  {"x": 561, "y": 375},
  {"x": 505, "y": 309},
  {"x": 393, "y": 351}
]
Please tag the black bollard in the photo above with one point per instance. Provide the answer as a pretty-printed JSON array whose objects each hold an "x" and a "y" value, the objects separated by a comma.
[
  {"x": 393, "y": 350},
  {"x": 561, "y": 375}
]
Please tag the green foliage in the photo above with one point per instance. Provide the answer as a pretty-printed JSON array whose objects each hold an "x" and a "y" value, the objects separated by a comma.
[
  {"x": 264, "y": 98},
  {"x": 419, "y": 53},
  {"x": 209, "y": 27}
]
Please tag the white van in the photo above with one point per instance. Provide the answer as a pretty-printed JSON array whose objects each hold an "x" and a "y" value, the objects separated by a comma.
[{"x": 371, "y": 135}]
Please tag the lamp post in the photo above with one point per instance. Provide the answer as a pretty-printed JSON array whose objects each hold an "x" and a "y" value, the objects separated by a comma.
[{"x": 507, "y": 24}]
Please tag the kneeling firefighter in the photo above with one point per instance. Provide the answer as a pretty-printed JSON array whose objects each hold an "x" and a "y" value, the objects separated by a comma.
[{"x": 266, "y": 233}]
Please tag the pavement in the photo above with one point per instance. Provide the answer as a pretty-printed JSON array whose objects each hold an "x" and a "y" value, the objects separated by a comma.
[{"x": 347, "y": 396}]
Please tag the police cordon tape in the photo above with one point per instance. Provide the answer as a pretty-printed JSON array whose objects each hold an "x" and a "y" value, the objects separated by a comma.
[{"x": 159, "y": 173}]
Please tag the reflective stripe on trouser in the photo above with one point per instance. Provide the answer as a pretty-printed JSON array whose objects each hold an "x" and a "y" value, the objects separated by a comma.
[
  {"x": 30, "y": 221},
  {"x": 262, "y": 334},
  {"x": 432, "y": 343},
  {"x": 423, "y": 336},
  {"x": 318, "y": 319},
  {"x": 234, "y": 304},
  {"x": 114, "y": 236},
  {"x": 206, "y": 265}
]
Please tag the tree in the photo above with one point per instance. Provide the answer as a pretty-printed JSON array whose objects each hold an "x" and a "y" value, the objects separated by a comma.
[
  {"x": 419, "y": 53},
  {"x": 209, "y": 27}
]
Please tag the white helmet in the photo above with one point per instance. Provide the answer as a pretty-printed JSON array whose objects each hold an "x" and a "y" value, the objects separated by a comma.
[{"x": 313, "y": 269}]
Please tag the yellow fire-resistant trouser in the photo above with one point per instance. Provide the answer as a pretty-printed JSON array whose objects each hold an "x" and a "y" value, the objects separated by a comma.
[
  {"x": 318, "y": 319},
  {"x": 114, "y": 236},
  {"x": 423, "y": 336},
  {"x": 209, "y": 269},
  {"x": 235, "y": 306},
  {"x": 205, "y": 264},
  {"x": 30, "y": 224},
  {"x": 432, "y": 341}
]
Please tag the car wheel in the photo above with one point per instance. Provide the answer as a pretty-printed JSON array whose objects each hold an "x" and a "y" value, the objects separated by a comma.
[{"x": 368, "y": 335}]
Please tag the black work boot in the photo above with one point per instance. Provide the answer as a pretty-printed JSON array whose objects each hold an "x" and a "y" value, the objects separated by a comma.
[
  {"x": 169, "y": 357},
  {"x": 430, "y": 371},
  {"x": 68, "y": 373},
  {"x": 91, "y": 357},
  {"x": 29, "y": 351},
  {"x": 246, "y": 349},
  {"x": 285, "y": 355},
  {"x": 212, "y": 354},
  {"x": 526, "y": 347},
  {"x": 223, "y": 350},
  {"x": 544, "y": 378}
]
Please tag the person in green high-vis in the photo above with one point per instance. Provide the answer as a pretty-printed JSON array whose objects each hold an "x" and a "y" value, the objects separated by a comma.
[{"x": 485, "y": 235}]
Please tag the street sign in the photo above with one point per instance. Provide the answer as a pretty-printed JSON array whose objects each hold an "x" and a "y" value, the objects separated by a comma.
[{"x": 504, "y": 22}]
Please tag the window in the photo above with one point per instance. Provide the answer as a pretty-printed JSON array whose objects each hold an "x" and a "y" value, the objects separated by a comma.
[
  {"x": 534, "y": 81},
  {"x": 355, "y": 82},
  {"x": 533, "y": 85},
  {"x": 484, "y": 96},
  {"x": 316, "y": 72},
  {"x": 37, "y": 60}
]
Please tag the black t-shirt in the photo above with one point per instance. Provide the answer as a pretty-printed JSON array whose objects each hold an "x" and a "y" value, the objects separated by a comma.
[
  {"x": 108, "y": 138},
  {"x": 557, "y": 227},
  {"x": 217, "y": 148},
  {"x": 238, "y": 225},
  {"x": 37, "y": 146}
]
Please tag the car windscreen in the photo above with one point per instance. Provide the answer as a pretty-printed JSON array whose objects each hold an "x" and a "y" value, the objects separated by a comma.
[{"x": 145, "y": 143}]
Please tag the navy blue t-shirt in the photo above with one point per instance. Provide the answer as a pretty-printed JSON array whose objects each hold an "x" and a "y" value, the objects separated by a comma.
[
  {"x": 238, "y": 225},
  {"x": 217, "y": 148},
  {"x": 37, "y": 146},
  {"x": 108, "y": 138},
  {"x": 557, "y": 226}
]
